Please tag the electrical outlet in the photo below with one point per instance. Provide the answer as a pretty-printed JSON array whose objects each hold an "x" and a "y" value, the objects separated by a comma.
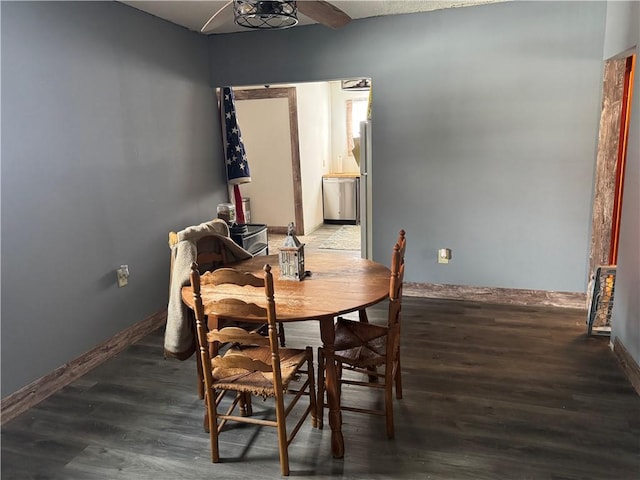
[
  {"x": 122, "y": 274},
  {"x": 444, "y": 255}
]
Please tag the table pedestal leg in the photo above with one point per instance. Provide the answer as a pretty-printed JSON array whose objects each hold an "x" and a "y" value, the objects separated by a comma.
[{"x": 327, "y": 334}]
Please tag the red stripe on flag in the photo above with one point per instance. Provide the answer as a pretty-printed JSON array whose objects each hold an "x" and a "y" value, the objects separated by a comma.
[{"x": 239, "y": 210}]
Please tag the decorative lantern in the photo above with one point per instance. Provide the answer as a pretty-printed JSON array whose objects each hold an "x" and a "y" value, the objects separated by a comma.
[{"x": 292, "y": 256}]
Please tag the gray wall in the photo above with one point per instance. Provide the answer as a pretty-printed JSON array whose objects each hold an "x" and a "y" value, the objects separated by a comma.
[
  {"x": 623, "y": 32},
  {"x": 109, "y": 140},
  {"x": 485, "y": 127}
]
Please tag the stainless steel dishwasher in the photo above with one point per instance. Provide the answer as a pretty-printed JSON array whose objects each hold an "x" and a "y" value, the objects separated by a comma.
[{"x": 340, "y": 198}]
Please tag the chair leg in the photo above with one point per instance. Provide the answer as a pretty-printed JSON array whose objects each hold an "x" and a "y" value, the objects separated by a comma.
[
  {"x": 200, "y": 377},
  {"x": 282, "y": 434},
  {"x": 281, "y": 334},
  {"x": 312, "y": 388},
  {"x": 398, "y": 378},
  {"x": 372, "y": 377},
  {"x": 320, "y": 399},
  {"x": 212, "y": 426},
  {"x": 388, "y": 401},
  {"x": 246, "y": 410}
]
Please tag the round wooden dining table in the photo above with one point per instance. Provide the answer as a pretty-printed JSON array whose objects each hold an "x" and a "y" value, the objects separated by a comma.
[{"x": 336, "y": 284}]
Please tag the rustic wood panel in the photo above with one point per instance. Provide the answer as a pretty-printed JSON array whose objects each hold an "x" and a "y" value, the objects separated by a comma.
[
  {"x": 509, "y": 296},
  {"x": 295, "y": 160},
  {"x": 490, "y": 392},
  {"x": 606, "y": 161},
  {"x": 32, "y": 394}
]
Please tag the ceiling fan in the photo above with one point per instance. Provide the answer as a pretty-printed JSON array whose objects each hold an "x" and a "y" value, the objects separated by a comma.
[{"x": 276, "y": 14}]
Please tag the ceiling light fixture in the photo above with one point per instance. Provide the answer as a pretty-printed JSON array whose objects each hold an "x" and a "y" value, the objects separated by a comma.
[{"x": 265, "y": 15}]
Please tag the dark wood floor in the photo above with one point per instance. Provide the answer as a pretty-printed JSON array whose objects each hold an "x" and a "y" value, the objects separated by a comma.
[{"x": 491, "y": 392}]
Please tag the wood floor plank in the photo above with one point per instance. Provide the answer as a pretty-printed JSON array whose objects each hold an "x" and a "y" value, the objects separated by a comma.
[{"x": 490, "y": 392}]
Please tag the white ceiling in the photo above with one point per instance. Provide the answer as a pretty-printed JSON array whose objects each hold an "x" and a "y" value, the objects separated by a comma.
[{"x": 194, "y": 14}]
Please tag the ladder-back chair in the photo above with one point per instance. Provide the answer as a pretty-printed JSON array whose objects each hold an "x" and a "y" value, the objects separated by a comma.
[
  {"x": 363, "y": 347},
  {"x": 253, "y": 364},
  {"x": 212, "y": 254}
]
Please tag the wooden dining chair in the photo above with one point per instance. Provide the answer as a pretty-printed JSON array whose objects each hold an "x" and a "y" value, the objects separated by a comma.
[
  {"x": 371, "y": 350},
  {"x": 253, "y": 364},
  {"x": 211, "y": 254}
]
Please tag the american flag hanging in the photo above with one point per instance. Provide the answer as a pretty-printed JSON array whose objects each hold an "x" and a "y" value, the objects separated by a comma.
[{"x": 235, "y": 154}]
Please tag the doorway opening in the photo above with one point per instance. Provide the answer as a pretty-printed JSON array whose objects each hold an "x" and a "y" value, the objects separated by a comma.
[{"x": 292, "y": 146}]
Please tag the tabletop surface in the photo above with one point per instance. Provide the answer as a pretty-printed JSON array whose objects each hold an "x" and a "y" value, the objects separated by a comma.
[{"x": 338, "y": 284}]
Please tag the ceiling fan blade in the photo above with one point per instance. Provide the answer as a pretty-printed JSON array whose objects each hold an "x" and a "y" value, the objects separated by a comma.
[
  {"x": 216, "y": 14},
  {"x": 324, "y": 13}
]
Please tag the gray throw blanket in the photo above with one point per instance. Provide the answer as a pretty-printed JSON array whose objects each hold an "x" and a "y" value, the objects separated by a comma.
[{"x": 179, "y": 339}]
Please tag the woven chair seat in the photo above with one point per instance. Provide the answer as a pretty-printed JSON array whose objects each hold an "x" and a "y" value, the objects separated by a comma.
[
  {"x": 360, "y": 344},
  {"x": 254, "y": 382}
]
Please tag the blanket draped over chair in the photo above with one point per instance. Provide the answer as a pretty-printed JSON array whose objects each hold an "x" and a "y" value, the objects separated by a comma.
[{"x": 179, "y": 337}]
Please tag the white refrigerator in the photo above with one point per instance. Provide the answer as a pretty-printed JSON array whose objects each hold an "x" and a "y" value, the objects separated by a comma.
[{"x": 365, "y": 191}]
